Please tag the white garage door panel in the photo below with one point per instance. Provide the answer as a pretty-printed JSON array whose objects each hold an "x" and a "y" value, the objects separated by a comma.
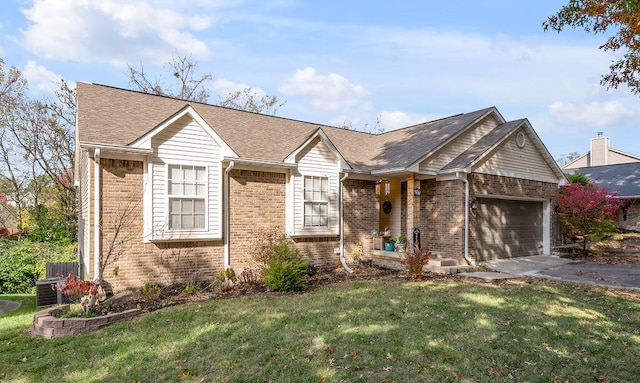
[{"x": 507, "y": 228}]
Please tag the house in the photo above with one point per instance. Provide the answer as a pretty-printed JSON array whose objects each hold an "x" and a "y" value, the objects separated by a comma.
[
  {"x": 624, "y": 180},
  {"x": 615, "y": 170},
  {"x": 174, "y": 189},
  {"x": 601, "y": 154}
]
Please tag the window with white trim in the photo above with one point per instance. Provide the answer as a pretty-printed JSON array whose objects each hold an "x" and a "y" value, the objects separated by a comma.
[
  {"x": 316, "y": 201},
  {"x": 187, "y": 192}
]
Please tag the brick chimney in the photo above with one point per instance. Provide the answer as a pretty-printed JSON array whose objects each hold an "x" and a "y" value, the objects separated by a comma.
[{"x": 599, "y": 151}]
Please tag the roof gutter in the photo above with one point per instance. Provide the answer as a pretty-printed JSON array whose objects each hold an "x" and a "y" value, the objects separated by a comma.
[
  {"x": 96, "y": 216},
  {"x": 227, "y": 224},
  {"x": 343, "y": 260},
  {"x": 464, "y": 180}
]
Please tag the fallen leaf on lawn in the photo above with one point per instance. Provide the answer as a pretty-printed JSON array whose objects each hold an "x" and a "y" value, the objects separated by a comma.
[
  {"x": 24, "y": 360},
  {"x": 390, "y": 356}
]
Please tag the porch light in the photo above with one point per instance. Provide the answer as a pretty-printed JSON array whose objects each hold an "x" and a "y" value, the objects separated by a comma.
[
  {"x": 417, "y": 191},
  {"x": 474, "y": 205}
]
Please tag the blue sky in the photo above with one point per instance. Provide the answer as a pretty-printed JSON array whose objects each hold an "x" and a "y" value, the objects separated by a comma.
[{"x": 337, "y": 62}]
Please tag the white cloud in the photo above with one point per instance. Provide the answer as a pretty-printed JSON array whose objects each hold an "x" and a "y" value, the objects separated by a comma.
[
  {"x": 327, "y": 92},
  {"x": 225, "y": 87},
  {"x": 114, "y": 31},
  {"x": 40, "y": 78},
  {"x": 594, "y": 114},
  {"x": 391, "y": 120}
]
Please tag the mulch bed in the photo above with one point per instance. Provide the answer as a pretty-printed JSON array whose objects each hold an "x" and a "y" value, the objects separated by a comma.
[
  {"x": 625, "y": 250},
  {"x": 174, "y": 295}
]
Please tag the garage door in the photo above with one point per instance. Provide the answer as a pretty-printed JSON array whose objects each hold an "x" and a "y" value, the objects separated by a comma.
[{"x": 507, "y": 228}]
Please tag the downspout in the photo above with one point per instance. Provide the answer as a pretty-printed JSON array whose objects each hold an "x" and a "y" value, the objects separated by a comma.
[
  {"x": 227, "y": 224},
  {"x": 96, "y": 215},
  {"x": 470, "y": 261},
  {"x": 342, "y": 258}
]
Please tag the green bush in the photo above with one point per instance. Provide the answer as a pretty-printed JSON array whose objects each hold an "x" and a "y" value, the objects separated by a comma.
[
  {"x": 22, "y": 263},
  {"x": 285, "y": 269}
]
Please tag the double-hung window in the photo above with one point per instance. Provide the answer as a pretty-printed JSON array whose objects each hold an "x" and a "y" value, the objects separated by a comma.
[
  {"x": 316, "y": 201},
  {"x": 187, "y": 191}
]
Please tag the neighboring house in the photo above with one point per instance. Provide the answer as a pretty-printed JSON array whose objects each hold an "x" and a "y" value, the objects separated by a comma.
[
  {"x": 601, "y": 154},
  {"x": 618, "y": 171},
  {"x": 200, "y": 180},
  {"x": 624, "y": 180}
]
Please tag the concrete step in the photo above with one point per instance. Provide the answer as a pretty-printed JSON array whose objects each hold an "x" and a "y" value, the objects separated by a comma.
[{"x": 443, "y": 262}]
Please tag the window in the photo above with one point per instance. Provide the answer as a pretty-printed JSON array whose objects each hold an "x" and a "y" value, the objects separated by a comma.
[
  {"x": 187, "y": 191},
  {"x": 316, "y": 201}
]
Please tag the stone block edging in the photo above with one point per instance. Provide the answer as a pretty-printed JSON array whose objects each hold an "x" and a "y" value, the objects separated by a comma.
[{"x": 47, "y": 325}]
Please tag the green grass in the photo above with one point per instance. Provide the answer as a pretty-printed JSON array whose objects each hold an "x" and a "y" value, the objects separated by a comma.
[{"x": 352, "y": 332}]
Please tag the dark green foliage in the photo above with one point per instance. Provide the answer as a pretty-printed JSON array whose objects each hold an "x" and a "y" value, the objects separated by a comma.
[
  {"x": 51, "y": 225},
  {"x": 286, "y": 268},
  {"x": 23, "y": 263},
  {"x": 577, "y": 178}
]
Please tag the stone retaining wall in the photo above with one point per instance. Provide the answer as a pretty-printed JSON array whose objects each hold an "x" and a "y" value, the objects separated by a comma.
[{"x": 47, "y": 325}]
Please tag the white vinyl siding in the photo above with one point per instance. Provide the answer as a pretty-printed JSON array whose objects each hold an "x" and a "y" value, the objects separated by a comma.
[
  {"x": 513, "y": 161},
  {"x": 186, "y": 143},
  {"x": 458, "y": 146},
  {"x": 316, "y": 161}
]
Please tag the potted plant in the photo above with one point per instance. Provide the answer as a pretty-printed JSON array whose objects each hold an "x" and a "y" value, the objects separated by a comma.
[
  {"x": 389, "y": 244},
  {"x": 402, "y": 243}
]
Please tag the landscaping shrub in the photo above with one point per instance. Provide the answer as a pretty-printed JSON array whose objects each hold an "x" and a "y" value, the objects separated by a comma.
[
  {"x": 415, "y": 260},
  {"x": 286, "y": 268},
  {"x": 24, "y": 262}
]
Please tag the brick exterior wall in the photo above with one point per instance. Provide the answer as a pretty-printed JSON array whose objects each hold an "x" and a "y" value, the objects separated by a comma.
[
  {"x": 257, "y": 200},
  {"x": 442, "y": 217},
  {"x": 442, "y": 209},
  {"x": 360, "y": 217}
]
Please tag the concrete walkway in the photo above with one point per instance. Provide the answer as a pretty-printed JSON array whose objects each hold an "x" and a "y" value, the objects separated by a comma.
[
  {"x": 6, "y": 306},
  {"x": 563, "y": 269}
]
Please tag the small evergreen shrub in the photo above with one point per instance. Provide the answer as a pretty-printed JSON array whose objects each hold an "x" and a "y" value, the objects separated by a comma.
[{"x": 286, "y": 268}]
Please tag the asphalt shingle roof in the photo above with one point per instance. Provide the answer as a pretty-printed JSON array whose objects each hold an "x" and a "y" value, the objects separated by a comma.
[
  {"x": 114, "y": 116},
  {"x": 622, "y": 178}
]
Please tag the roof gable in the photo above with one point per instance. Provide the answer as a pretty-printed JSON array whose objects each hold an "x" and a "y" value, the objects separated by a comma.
[
  {"x": 318, "y": 135},
  {"x": 187, "y": 111},
  {"x": 513, "y": 149}
]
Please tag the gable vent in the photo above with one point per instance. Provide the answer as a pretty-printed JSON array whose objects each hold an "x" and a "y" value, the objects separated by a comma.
[{"x": 520, "y": 139}]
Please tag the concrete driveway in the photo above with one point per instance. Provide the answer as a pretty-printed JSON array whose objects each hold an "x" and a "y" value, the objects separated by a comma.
[{"x": 563, "y": 269}]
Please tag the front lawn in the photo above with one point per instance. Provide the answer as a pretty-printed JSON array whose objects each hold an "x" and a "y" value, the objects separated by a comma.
[{"x": 358, "y": 331}]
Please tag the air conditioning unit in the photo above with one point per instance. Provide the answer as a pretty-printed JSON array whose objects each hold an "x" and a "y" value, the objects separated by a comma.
[{"x": 45, "y": 295}]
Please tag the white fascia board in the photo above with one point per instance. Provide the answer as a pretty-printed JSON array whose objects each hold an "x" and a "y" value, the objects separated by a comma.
[
  {"x": 114, "y": 149},
  {"x": 319, "y": 133},
  {"x": 145, "y": 141},
  {"x": 248, "y": 163}
]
